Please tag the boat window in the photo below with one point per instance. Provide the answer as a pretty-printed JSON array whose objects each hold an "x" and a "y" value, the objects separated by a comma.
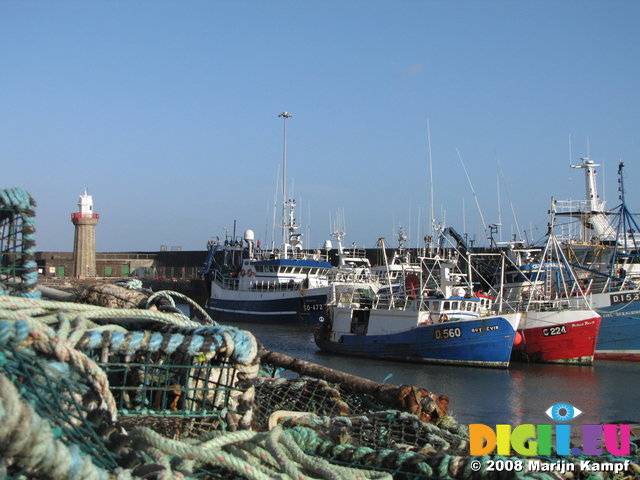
[
  {"x": 446, "y": 306},
  {"x": 454, "y": 305}
]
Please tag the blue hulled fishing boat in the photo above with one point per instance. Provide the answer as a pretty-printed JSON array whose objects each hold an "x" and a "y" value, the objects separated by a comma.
[{"x": 447, "y": 324}]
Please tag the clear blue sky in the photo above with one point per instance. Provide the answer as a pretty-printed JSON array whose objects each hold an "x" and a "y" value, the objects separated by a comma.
[{"x": 167, "y": 112}]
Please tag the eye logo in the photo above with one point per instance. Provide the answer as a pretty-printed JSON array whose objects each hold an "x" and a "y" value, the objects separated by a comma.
[{"x": 562, "y": 412}]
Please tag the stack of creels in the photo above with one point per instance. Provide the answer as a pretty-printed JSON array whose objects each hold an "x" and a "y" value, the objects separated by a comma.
[
  {"x": 181, "y": 382},
  {"x": 18, "y": 268},
  {"x": 57, "y": 415}
]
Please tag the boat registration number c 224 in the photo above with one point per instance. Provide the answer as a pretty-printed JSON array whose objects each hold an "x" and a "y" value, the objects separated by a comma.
[
  {"x": 551, "y": 331},
  {"x": 444, "y": 333}
]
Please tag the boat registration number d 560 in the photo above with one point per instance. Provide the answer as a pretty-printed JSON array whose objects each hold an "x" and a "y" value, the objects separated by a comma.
[{"x": 444, "y": 333}]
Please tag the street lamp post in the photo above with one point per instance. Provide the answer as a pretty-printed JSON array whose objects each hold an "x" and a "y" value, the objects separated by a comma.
[{"x": 284, "y": 116}]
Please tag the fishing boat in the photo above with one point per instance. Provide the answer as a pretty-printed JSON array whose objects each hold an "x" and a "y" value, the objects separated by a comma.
[
  {"x": 558, "y": 324},
  {"x": 394, "y": 272},
  {"x": 446, "y": 325},
  {"x": 285, "y": 285},
  {"x": 252, "y": 285},
  {"x": 352, "y": 263},
  {"x": 352, "y": 275},
  {"x": 605, "y": 252}
]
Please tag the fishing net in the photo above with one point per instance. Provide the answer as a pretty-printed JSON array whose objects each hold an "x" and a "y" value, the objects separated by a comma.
[
  {"x": 303, "y": 394},
  {"x": 18, "y": 269}
]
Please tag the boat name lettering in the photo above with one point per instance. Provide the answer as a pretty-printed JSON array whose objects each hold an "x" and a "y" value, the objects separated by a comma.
[
  {"x": 444, "y": 333},
  {"x": 551, "y": 331},
  {"x": 618, "y": 298},
  {"x": 488, "y": 328}
]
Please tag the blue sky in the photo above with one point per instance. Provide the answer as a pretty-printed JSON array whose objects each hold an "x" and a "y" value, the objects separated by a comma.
[{"x": 167, "y": 112}]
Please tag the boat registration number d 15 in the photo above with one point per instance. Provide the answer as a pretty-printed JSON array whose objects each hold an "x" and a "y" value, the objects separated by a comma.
[
  {"x": 618, "y": 298},
  {"x": 444, "y": 333}
]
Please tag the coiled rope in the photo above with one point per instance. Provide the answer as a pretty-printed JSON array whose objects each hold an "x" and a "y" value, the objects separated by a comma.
[
  {"x": 254, "y": 455},
  {"x": 44, "y": 340},
  {"x": 29, "y": 442},
  {"x": 47, "y": 311}
]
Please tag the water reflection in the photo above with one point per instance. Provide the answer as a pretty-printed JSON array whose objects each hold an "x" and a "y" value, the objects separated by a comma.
[{"x": 607, "y": 392}]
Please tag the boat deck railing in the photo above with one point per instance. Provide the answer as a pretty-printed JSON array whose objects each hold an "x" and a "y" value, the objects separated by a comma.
[
  {"x": 399, "y": 300},
  {"x": 228, "y": 283},
  {"x": 350, "y": 277},
  {"x": 268, "y": 286},
  {"x": 344, "y": 296},
  {"x": 549, "y": 305},
  {"x": 233, "y": 283},
  {"x": 356, "y": 253}
]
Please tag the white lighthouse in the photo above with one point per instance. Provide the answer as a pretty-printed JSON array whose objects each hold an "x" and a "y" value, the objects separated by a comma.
[{"x": 84, "y": 243}]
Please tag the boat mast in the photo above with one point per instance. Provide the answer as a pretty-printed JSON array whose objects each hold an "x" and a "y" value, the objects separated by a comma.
[
  {"x": 284, "y": 116},
  {"x": 627, "y": 229},
  {"x": 596, "y": 225},
  {"x": 432, "y": 220}
]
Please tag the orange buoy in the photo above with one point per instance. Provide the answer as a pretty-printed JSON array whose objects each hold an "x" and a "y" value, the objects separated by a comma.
[{"x": 518, "y": 339}]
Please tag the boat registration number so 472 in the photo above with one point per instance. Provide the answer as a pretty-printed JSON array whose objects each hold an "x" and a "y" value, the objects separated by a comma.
[
  {"x": 444, "y": 333},
  {"x": 315, "y": 307}
]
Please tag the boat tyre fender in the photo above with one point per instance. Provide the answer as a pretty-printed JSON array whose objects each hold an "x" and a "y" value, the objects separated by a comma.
[
  {"x": 250, "y": 273},
  {"x": 243, "y": 272}
]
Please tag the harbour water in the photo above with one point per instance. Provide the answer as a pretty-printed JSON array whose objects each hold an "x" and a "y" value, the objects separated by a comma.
[{"x": 606, "y": 392}]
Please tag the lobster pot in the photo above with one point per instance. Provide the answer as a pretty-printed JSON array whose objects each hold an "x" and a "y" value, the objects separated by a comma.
[
  {"x": 18, "y": 268},
  {"x": 182, "y": 383},
  {"x": 53, "y": 395}
]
